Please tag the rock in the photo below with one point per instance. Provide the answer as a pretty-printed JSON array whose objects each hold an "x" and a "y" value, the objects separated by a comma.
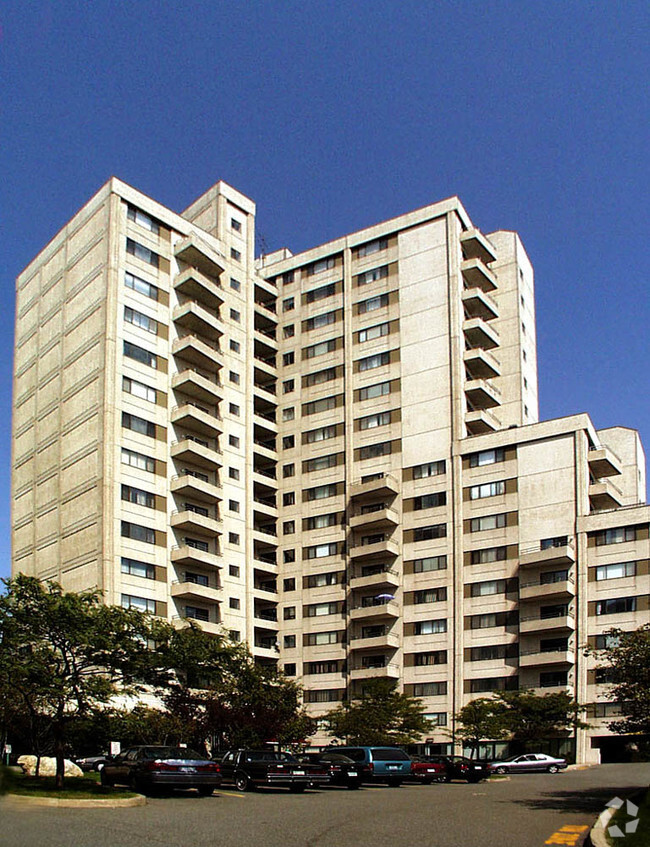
[{"x": 48, "y": 766}]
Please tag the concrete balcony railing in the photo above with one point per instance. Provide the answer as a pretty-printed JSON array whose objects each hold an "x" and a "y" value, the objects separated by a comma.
[
  {"x": 195, "y": 285},
  {"x": 479, "y": 333},
  {"x": 377, "y": 485},
  {"x": 197, "y": 351},
  {"x": 190, "y": 521},
  {"x": 560, "y": 552},
  {"x": 386, "y": 609},
  {"x": 384, "y": 517},
  {"x": 190, "y": 590},
  {"x": 194, "y": 384},
  {"x": 197, "y": 253},
  {"x": 477, "y": 275},
  {"x": 185, "y": 554},
  {"x": 481, "y": 363},
  {"x": 385, "y": 578},
  {"x": 543, "y": 658},
  {"x": 478, "y": 304},
  {"x": 480, "y": 421},
  {"x": 197, "y": 419},
  {"x": 386, "y": 547},
  {"x": 603, "y": 494},
  {"x": 388, "y": 671},
  {"x": 482, "y": 394},
  {"x": 197, "y": 452},
  {"x": 383, "y": 640},
  {"x": 196, "y": 318},
  {"x": 535, "y": 623},
  {"x": 603, "y": 462},
  {"x": 476, "y": 246},
  {"x": 556, "y": 590}
]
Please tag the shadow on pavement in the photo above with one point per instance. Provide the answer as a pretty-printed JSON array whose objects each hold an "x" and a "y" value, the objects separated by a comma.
[{"x": 592, "y": 800}]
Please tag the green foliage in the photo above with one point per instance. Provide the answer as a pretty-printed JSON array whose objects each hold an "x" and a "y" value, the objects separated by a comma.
[
  {"x": 382, "y": 716},
  {"x": 482, "y": 719},
  {"x": 530, "y": 717},
  {"x": 627, "y": 661}
]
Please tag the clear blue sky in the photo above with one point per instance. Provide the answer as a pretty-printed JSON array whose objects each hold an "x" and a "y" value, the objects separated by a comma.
[{"x": 336, "y": 115}]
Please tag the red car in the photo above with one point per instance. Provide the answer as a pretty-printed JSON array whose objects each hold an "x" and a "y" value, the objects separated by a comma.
[{"x": 425, "y": 771}]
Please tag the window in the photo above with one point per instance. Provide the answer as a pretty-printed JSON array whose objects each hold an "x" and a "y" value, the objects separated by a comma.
[
  {"x": 430, "y": 689},
  {"x": 142, "y": 604},
  {"x": 235, "y": 346},
  {"x": 138, "y": 460},
  {"x": 616, "y": 536},
  {"x": 289, "y": 498},
  {"x": 141, "y": 286},
  {"x": 492, "y": 652},
  {"x": 321, "y": 293},
  {"x": 235, "y": 284},
  {"x": 143, "y": 220},
  {"x": 373, "y": 451},
  {"x": 196, "y": 544},
  {"x": 372, "y": 275},
  {"x": 135, "y": 568},
  {"x": 497, "y": 683},
  {"x": 287, "y": 278},
  {"x": 288, "y": 527},
  {"x": 371, "y": 247},
  {"x": 139, "y": 319},
  {"x": 322, "y": 521},
  {"x": 320, "y": 492},
  {"x": 288, "y": 442},
  {"x": 372, "y": 421},
  {"x": 289, "y": 613},
  {"x": 321, "y": 265},
  {"x": 233, "y": 408},
  {"x": 288, "y": 331},
  {"x": 139, "y": 389},
  {"x": 373, "y": 303},
  {"x": 290, "y": 668},
  {"x": 488, "y": 522},
  {"x": 487, "y": 457},
  {"x": 484, "y": 621},
  {"x": 233, "y": 570},
  {"x": 492, "y": 586},
  {"x": 380, "y": 389},
  {"x": 233, "y": 473},
  {"x": 320, "y": 434},
  {"x": 288, "y": 414},
  {"x": 430, "y": 627},
  {"x": 316, "y": 610},
  {"x": 427, "y": 533},
  {"x": 141, "y": 355},
  {"x": 552, "y": 679},
  {"x": 322, "y": 667},
  {"x": 615, "y": 606},
  {"x": 604, "y": 642},
  {"x": 314, "y": 639},
  {"x": 324, "y": 695},
  {"x": 377, "y": 331},
  {"x": 434, "y": 657},
  {"x": 319, "y": 321},
  {"x": 233, "y": 505},
  {"x": 288, "y": 556},
  {"x": 233, "y": 538},
  {"x": 429, "y": 469},
  {"x": 289, "y": 584},
  {"x": 551, "y": 577},
  {"x": 196, "y": 613},
  {"x": 141, "y": 252},
  {"x": 235, "y": 315},
  {"x": 321, "y": 463},
  {"x": 317, "y": 406},
  {"x": 321, "y": 580},
  {"x": 233, "y": 440},
  {"x": 138, "y": 497},
  {"x": 429, "y": 501},
  {"x": 616, "y": 571},
  {"x": 320, "y": 349},
  {"x": 318, "y": 377},
  {"x": 235, "y": 254},
  {"x": 137, "y": 424},
  {"x": 138, "y": 533},
  {"x": 233, "y": 376},
  {"x": 235, "y": 224},
  {"x": 487, "y": 489},
  {"x": 234, "y": 602},
  {"x": 320, "y": 551},
  {"x": 289, "y": 641},
  {"x": 488, "y": 555},
  {"x": 376, "y": 361},
  {"x": 430, "y": 563},
  {"x": 430, "y": 595},
  {"x": 288, "y": 470},
  {"x": 288, "y": 358},
  {"x": 288, "y": 386}
]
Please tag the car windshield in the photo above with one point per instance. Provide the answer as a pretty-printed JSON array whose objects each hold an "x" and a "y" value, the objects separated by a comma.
[
  {"x": 389, "y": 754},
  {"x": 170, "y": 753}
]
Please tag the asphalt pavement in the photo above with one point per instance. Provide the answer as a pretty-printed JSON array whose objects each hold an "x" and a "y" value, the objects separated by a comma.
[{"x": 519, "y": 811}]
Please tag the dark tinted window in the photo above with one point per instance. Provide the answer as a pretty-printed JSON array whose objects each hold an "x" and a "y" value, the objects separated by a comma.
[
  {"x": 388, "y": 754},
  {"x": 170, "y": 753},
  {"x": 355, "y": 753}
]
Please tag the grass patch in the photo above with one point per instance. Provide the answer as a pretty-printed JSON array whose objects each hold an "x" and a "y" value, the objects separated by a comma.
[
  {"x": 86, "y": 787},
  {"x": 640, "y": 838}
]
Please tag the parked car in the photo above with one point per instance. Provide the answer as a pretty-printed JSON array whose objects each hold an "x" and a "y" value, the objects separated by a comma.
[
  {"x": 460, "y": 767},
  {"x": 378, "y": 764},
  {"x": 250, "y": 768},
  {"x": 426, "y": 771},
  {"x": 342, "y": 769},
  {"x": 147, "y": 767},
  {"x": 527, "y": 763},
  {"x": 92, "y": 763}
]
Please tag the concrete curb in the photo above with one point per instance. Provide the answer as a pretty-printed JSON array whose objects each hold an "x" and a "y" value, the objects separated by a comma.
[
  {"x": 597, "y": 836},
  {"x": 70, "y": 803}
]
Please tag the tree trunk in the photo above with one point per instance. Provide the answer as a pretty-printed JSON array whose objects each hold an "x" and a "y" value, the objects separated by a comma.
[{"x": 59, "y": 752}]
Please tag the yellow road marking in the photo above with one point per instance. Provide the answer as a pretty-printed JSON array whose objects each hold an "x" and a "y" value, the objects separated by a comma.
[
  {"x": 568, "y": 834},
  {"x": 221, "y": 792}
]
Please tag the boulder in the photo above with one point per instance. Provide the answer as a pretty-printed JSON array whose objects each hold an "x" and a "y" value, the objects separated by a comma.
[{"x": 48, "y": 766}]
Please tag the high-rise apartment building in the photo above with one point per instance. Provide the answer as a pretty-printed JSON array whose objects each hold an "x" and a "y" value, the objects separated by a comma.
[{"x": 335, "y": 456}]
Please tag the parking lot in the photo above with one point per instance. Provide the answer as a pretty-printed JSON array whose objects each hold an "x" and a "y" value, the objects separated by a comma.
[{"x": 522, "y": 811}]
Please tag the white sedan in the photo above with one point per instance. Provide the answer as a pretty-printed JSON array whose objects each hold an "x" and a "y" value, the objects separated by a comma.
[{"x": 527, "y": 763}]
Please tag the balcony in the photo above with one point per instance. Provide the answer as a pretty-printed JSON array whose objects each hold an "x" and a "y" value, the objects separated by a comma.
[
  {"x": 197, "y": 253},
  {"x": 481, "y": 395},
  {"x": 481, "y": 364},
  {"x": 267, "y": 337},
  {"x": 265, "y": 533},
  {"x": 383, "y": 517},
  {"x": 196, "y": 452},
  {"x": 265, "y": 476},
  {"x": 265, "y": 420},
  {"x": 480, "y": 421},
  {"x": 266, "y": 393},
  {"x": 269, "y": 594},
  {"x": 480, "y": 334},
  {"x": 191, "y": 591},
  {"x": 388, "y": 671},
  {"x": 381, "y": 484},
  {"x": 265, "y": 564},
  {"x": 476, "y": 246},
  {"x": 562, "y": 589},
  {"x": 196, "y": 318},
  {"x": 266, "y": 649},
  {"x": 603, "y": 462},
  {"x": 534, "y": 623},
  {"x": 539, "y": 658},
  {"x": 197, "y": 352},
  {"x": 189, "y": 485},
  {"x": 381, "y": 609},
  {"x": 185, "y": 554},
  {"x": 190, "y": 521},
  {"x": 559, "y": 552},
  {"x": 478, "y": 304},
  {"x": 382, "y": 640},
  {"x": 387, "y": 547},
  {"x": 265, "y": 507},
  {"x": 193, "y": 284},
  {"x": 385, "y": 578},
  {"x": 197, "y": 419},
  {"x": 211, "y": 627},
  {"x": 603, "y": 494},
  {"x": 477, "y": 275},
  {"x": 195, "y": 385}
]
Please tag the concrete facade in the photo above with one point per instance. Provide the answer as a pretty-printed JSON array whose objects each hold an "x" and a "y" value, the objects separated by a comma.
[{"x": 335, "y": 456}]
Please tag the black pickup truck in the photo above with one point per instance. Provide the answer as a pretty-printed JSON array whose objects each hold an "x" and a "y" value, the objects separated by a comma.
[{"x": 249, "y": 768}]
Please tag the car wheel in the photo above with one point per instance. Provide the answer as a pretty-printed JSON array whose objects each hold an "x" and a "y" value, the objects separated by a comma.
[
  {"x": 206, "y": 790},
  {"x": 134, "y": 783},
  {"x": 354, "y": 785},
  {"x": 553, "y": 769},
  {"x": 242, "y": 782},
  {"x": 104, "y": 779},
  {"x": 500, "y": 770},
  {"x": 297, "y": 788}
]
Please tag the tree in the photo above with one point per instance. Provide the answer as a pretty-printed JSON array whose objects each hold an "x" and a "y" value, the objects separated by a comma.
[
  {"x": 482, "y": 719},
  {"x": 627, "y": 662},
  {"x": 64, "y": 655},
  {"x": 382, "y": 716},
  {"x": 530, "y": 717}
]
